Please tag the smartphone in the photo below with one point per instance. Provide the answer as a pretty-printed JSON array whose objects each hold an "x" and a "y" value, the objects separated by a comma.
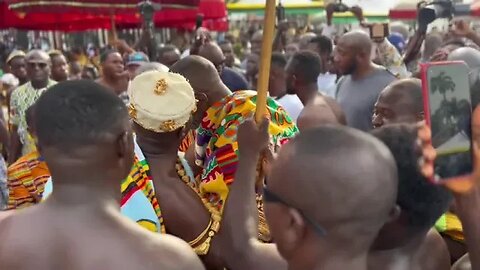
[
  {"x": 379, "y": 30},
  {"x": 448, "y": 112}
]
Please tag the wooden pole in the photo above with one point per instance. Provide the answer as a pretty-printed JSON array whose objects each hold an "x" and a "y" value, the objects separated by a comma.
[{"x": 266, "y": 55}]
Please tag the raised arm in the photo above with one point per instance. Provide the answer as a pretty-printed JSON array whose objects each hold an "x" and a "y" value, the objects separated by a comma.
[{"x": 240, "y": 219}]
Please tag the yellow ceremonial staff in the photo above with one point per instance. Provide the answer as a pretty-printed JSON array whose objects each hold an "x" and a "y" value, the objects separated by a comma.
[{"x": 266, "y": 55}]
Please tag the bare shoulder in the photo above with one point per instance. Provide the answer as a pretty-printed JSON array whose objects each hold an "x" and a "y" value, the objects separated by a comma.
[
  {"x": 316, "y": 114},
  {"x": 433, "y": 253},
  {"x": 463, "y": 263},
  {"x": 173, "y": 253}
]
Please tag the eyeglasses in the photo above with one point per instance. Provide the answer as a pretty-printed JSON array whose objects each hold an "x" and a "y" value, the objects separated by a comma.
[
  {"x": 271, "y": 197},
  {"x": 41, "y": 65}
]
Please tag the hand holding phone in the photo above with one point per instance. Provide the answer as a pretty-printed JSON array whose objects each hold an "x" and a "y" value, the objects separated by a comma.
[
  {"x": 379, "y": 31},
  {"x": 448, "y": 114}
]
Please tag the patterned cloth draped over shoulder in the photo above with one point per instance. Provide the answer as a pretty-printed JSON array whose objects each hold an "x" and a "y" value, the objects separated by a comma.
[
  {"x": 450, "y": 225},
  {"x": 26, "y": 181},
  {"x": 216, "y": 140}
]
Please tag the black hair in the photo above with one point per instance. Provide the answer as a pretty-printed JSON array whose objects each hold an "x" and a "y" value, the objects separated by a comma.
[
  {"x": 307, "y": 64},
  {"x": 104, "y": 56},
  {"x": 75, "y": 113},
  {"x": 421, "y": 201},
  {"x": 324, "y": 43},
  {"x": 279, "y": 59}
]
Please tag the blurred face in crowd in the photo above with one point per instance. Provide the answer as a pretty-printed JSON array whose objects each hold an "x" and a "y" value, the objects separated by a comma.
[
  {"x": 38, "y": 68},
  {"x": 59, "y": 68},
  {"x": 344, "y": 59},
  {"x": 252, "y": 64},
  {"x": 18, "y": 67},
  {"x": 276, "y": 85},
  {"x": 227, "y": 50},
  {"x": 213, "y": 53},
  {"x": 399, "y": 103},
  {"x": 290, "y": 77},
  {"x": 291, "y": 49},
  {"x": 170, "y": 57},
  {"x": 113, "y": 65},
  {"x": 256, "y": 42}
]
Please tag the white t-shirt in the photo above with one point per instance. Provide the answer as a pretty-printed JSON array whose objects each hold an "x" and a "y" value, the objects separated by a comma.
[
  {"x": 327, "y": 84},
  {"x": 291, "y": 104}
]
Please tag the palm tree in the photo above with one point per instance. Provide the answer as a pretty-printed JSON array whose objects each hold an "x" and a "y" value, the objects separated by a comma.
[{"x": 442, "y": 83}]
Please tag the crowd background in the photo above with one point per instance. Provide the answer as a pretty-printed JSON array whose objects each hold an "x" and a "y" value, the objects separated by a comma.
[{"x": 320, "y": 73}]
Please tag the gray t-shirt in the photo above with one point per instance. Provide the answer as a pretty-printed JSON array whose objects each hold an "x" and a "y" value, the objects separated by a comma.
[{"x": 357, "y": 97}]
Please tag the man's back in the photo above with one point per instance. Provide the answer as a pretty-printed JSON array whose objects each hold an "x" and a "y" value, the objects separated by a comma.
[
  {"x": 357, "y": 97},
  {"x": 43, "y": 238}
]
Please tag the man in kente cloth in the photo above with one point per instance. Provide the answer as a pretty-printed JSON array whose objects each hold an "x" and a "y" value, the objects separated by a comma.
[
  {"x": 218, "y": 116},
  {"x": 88, "y": 133}
]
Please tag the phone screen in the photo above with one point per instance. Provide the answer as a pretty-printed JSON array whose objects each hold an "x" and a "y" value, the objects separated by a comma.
[{"x": 450, "y": 112}]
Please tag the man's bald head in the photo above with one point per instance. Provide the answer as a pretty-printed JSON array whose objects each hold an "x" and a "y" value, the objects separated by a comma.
[
  {"x": 353, "y": 52},
  {"x": 212, "y": 52},
  {"x": 310, "y": 174},
  {"x": 358, "y": 41},
  {"x": 399, "y": 102},
  {"x": 200, "y": 73},
  {"x": 469, "y": 55},
  {"x": 305, "y": 40},
  {"x": 472, "y": 58}
]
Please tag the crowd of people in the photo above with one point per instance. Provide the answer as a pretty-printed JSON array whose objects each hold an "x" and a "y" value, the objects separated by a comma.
[{"x": 336, "y": 176}]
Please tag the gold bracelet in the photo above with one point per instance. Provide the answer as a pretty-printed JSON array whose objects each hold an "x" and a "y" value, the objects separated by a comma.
[
  {"x": 212, "y": 229},
  {"x": 201, "y": 236}
]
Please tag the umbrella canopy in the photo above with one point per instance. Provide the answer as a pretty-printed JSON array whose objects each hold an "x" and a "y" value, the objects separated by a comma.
[
  {"x": 96, "y": 6},
  {"x": 214, "y": 13},
  {"x": 48, "y": 21}
]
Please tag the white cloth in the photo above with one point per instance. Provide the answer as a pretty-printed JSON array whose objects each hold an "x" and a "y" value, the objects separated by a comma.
[
  {"x": 291, "y": 104},
  {"x": 327, "y": 84}
]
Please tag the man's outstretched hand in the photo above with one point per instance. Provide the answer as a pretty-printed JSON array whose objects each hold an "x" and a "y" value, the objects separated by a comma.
[{"x": 460, "y": 184}]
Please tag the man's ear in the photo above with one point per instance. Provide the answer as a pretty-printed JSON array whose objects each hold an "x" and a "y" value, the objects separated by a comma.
[
  {"x": 124, "y": 144},
  {"x": 394, "y": 213}
]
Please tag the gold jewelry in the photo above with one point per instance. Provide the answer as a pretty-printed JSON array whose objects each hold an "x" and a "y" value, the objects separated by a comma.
[
  {"x": 201, "y": 244},
  {"x": 160, "y": 87}
]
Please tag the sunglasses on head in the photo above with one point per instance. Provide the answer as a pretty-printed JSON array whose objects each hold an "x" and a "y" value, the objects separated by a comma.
[
  {"x": 41, "y": 65},
  {"x": 271, "y": 197}
]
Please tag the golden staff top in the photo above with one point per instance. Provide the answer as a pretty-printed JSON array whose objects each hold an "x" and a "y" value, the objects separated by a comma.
[{"x": 266, "y": 55}]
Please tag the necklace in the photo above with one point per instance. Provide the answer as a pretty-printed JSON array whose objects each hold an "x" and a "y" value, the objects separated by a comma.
[{"x": 202, "y": 243}]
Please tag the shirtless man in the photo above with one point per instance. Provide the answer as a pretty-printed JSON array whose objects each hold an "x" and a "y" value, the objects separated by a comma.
[
  {"x": 399, "y": 102},
  {"x": 302, "y": 72},
  {"x": 310, "y": 228},
  {"x": 87, "y": 132},
  {"x": 409, "y": 242},
  {"x": 114, "y": 76}
]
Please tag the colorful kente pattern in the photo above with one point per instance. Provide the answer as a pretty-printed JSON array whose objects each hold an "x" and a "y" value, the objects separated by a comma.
[{"x": 216, "y": 143}]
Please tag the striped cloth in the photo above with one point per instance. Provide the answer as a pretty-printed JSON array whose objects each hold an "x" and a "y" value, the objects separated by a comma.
[{"x": 26, "y": 181}]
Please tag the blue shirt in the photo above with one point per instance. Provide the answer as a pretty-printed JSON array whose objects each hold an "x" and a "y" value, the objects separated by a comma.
[{"x": 233, "y": 80}]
